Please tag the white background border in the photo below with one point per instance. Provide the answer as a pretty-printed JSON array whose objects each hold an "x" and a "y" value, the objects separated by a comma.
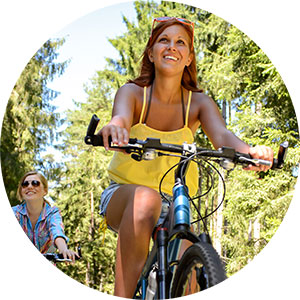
[{"x": 25, "y": 25}]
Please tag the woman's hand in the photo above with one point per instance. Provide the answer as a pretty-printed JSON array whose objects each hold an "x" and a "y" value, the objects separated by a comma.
[
  {"x": 260, "y": 152},
  {"x": 122, "y": 116},
  {"x": 119, "y": 135},
  {"x": 69, "y": 254},
  {"x": 63, "y": 249}
]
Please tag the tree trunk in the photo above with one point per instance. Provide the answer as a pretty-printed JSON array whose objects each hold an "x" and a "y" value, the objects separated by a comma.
[
  {"x": 224, "y": 110},
  {"x": 256, "y": 234},
  {"x": 90, "y": 279},
  {"x": 87, "y": 274}
]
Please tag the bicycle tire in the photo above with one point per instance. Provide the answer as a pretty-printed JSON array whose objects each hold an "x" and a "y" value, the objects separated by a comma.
[{"x": 209, "y": 271}]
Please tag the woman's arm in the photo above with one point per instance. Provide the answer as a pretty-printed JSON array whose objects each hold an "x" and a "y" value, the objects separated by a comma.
[
  {"x": 122, "y": 117},
  {"x": 214, "y": 127},
  {"x": 58, "y": 235}
]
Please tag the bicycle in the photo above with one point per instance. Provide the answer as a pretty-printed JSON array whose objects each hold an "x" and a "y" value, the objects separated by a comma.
[{"x": 165, "y": 275}]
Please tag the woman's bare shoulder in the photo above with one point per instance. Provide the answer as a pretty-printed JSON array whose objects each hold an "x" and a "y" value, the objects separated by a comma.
[
  {"x": 202, "y": 103},
  {"x": 131, "y": 89},
  {"x": 130, "y": 97},
  {"x": 202, "y": 99}
]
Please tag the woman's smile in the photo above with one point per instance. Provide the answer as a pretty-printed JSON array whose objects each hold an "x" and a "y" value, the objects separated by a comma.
[
  {"x": 31, "y": 192},
  {"x": 172, "y": 45},
  {"x": 170, "y": 57}
]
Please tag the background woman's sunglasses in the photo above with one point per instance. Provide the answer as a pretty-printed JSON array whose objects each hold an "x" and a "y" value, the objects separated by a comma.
[
  {"x": 180, "y": 20},
  {"x": 34, "y": 183}
]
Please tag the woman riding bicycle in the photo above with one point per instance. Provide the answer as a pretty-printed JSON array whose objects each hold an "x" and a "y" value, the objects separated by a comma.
[
  {"x": 41, "y": 222},
  {"x": 163, "y": 102}
]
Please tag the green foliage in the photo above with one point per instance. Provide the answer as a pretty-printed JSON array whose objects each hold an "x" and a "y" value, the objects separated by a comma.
[
  {"x": 232, "y": 69},
  {"x": 83, "y": 179},
  {"x": 30, "y": 119},
  {"x": 130, "y": 45},
  {"x": 238, "y": 75},
  {"x": 262, "y": 197}
]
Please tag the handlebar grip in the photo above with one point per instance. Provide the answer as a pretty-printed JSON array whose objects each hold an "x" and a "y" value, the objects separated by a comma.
[
  {"x": 93, "y": 125},
  {"x": 96, "y": 140},
  {"x": 59, "y": 256},
  {"x": 91, "y": 138},
  {"x": 79, "y": 251},
  {"x": 278, "y": 163}
]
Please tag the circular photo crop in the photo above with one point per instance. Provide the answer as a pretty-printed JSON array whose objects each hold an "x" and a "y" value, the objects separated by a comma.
[{"x": 203, "y": 162}]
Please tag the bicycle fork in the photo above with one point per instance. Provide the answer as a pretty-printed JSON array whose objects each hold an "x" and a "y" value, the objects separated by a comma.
[
  {"x": 182, "y": 220},
  {"x": 162, "y": 272}
]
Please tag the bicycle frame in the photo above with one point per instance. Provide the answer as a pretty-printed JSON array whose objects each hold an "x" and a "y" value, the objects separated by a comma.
[
  {"x": 167, "y": 238},
  {"x": 176, "y": 225}
]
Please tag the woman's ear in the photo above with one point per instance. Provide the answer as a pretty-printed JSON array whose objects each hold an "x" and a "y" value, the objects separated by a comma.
[
  {"x": 190, "y": 59},
  {"x": 150, "y": 55}
]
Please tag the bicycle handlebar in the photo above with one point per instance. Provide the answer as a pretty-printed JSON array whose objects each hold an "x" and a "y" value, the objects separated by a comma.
[
  {"x": 58, "y": 257},
  {"x": 147, "y": 149}
]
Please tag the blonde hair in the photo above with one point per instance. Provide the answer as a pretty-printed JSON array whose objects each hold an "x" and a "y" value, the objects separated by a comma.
[{"x": 42, "y": 178}]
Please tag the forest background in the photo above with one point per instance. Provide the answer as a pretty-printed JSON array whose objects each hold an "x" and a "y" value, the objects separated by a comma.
[{"x": 253, "y": 79}]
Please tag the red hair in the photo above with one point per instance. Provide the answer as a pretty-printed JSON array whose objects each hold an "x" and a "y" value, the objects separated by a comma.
[{"x": 147, "y": 73}]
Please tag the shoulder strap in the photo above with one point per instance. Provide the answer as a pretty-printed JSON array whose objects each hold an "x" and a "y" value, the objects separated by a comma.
[
  {"x": 183, "y": 107},
  {"x": 188, "y": 109},
  {"x": 144, "y": 104},
  {"x": 149, "y": 103}
]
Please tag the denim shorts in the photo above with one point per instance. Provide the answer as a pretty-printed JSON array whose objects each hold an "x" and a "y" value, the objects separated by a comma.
[{"x": 109, "y": 191}]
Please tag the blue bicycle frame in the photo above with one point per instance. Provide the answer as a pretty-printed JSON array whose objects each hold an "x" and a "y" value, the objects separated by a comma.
[{"x": 167, "y": 240}]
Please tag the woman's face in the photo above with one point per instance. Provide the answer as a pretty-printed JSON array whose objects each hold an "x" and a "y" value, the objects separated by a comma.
[
  {"x": 171, "y": 50},
  {"x": 34, "y": 189}
]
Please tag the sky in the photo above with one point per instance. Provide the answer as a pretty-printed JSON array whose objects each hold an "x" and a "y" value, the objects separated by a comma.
[
  {"x": 87, "y": 46},
  {"x": 25, "y": 25}
]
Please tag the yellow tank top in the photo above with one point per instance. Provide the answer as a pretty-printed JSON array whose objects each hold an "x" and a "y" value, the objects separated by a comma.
[{"x": 123, "y": 169}]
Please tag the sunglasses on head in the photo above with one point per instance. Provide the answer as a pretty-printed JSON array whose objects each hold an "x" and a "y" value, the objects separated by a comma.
[
  {"x": 180, "y": 20},
  {"x": 34, "y": 183}
]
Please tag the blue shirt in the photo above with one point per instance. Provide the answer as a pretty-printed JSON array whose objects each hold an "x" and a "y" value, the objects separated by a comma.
[{"x": 48, "y": 227}]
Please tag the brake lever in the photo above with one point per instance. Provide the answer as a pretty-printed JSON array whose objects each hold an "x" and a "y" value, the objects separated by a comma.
[
  {"x": 277, "y": 163},
  {"x": 255, "y": 161}
]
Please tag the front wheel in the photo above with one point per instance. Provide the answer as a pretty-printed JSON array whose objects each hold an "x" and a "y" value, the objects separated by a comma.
[{"x": 199, "y": 268}]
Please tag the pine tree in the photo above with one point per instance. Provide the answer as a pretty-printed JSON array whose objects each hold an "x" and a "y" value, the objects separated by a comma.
[
  {"x": 30, "y": 120},
  {"x": 84, "y": 177},
  {"x": 241, "y": 79}
]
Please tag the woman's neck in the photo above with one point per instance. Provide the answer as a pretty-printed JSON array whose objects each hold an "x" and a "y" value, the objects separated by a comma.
[
  {"x": 167, "y": 89},
  {"x": 34, "y": 208}
]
